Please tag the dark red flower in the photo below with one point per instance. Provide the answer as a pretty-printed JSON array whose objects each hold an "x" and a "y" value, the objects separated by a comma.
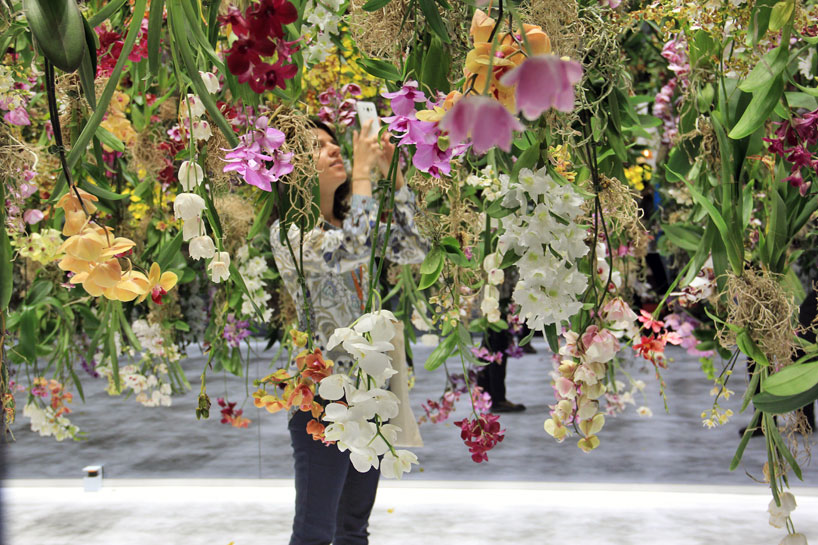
[
  {"x": 269, "y": 76},
  {"x": 236, "y": 20},
  {"x": 481, "y": 435},
  {"x": 269, "y": 16},
  {"x": 241, "y": 57}
]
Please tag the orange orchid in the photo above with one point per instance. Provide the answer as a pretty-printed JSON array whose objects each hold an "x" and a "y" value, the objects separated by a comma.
[
  {"x": 316, "y": 429},
  {"x": 508, "y": 54},
  {"x": 280, "y": 375},
  {"x": 131, "y": 285},
  {"x": 302, "y": 396},
  {"x": 99, "y": 278},
  {"x": 313, "y": 365},
  {"x": 159, "y": 284},
  {"x": 273, "y": 404}
]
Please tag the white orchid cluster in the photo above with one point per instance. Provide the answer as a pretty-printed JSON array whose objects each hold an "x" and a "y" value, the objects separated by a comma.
[
  {"x": 151, "y": 389},
  {"x": 252, "y": 270},
  {"x": 192, "y": 110},
  {"x": 360, "y": 404},
  {"x": 44, "y": 420},
  {"x": 153, "y": 342},
  {"x": 189, "y": 206},
  {"x": 488, "y": 182},
  {"x": 780, "y": 516},
  {"x": 490, "y": 306},
  {"x": 545, "y": 234},
  {"x": 324, "y": 20}
]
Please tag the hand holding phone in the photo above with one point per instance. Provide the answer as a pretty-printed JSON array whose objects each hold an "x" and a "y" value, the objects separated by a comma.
[{"x": 367, "y": 112}]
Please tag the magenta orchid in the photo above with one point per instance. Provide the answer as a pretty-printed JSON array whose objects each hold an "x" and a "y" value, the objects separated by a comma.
[
  {"x": 543, "y": 82},
  {"x": 257, "y": 148},
  {"x": 484, "y": 120}
]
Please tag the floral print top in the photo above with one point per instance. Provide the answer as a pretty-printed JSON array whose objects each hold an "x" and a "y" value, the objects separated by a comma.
[{"x": 336, "y": 262}]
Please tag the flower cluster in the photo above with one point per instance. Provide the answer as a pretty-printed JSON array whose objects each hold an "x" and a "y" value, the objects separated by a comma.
[
  {"x": 652, "y": 346},
  {"x": 791, "y": 142},
  {"x": 231, "y": 415},
  {"x": 481, "y": 434},
  {"x": 637, "y": 175},
  {"x": 490, "y": 306},
  {"x": 684, "y": 325},
  {"x": 675, "y": 52},
  {"x": 324, "y": 24},
  {"x": 297, "y": 392},
  {"x": 46, "y": 422},
  {"x": 235, "y": 330},
  {"x": 260, "y": 35},
  {"x": 544, "y": 233},
  {"x": 337, "y": 110},
  {"x": 580, "y": 377},
  {"x": 440, "y": 410},
  {"x": 433, "y": 151},
  {"x": 110, "y": 48},
  {"x": 153, "y": 342},
  {"x": 358, "y": 423},
  {"x": 117, "y": 123},
  {"x": 43, "y": 247},
  {"x": 487, "y": 182},
  {"x": 14, "y": 97},
  {"x": 253, "y": 271},
  {"x": 257, "y": 147},
  {"x": 93, "y": 255},
  {"x": 192, "y": 115}
]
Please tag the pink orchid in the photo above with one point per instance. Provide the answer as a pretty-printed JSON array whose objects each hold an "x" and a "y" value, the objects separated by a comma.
[
  {"x": 33, "y": 216},
  {"x": 649, "y": 323},
  {"x": 544, "y": 81},
  {"x": 403, "y": 100},
  {"x": 17, "y": 116},
  {"x": 486, "y": 121}
]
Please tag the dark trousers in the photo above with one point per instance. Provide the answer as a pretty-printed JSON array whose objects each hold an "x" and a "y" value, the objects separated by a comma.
[
  {"x": 492, "y": 377},
  {"x": 332, "y": 499}
]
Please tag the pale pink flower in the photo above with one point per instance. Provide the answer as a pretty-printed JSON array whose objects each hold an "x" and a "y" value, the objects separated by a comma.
[
  {"x": 543, "y": 82},
  {"x": 33, "y": 216},
  {"x": 483, "y": 119}
]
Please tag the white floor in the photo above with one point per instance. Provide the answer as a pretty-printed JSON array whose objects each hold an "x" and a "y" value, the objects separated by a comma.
[{"x": 258, "y": 512}]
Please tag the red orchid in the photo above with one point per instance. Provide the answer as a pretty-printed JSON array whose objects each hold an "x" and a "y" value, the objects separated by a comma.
[
  {"x": 650, "y": 347},
  {"x": 266, "y": 77},
  {"x": 241, "y": 57},
  {"x": 269, "y": 16}
]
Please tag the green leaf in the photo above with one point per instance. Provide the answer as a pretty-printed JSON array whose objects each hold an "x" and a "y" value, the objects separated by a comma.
[
  {"x": 748, "y": 433},
  {"x": 432, "y": 261},
  {"x": 58, "y": 30},
  {"x": 169, "y": 252},
  {"x": 687, "y": 237},
  {"x": 441, "y": 353},
  {"x": 759, "y": 109},
  {"x": 432, "y": 15},
  {"x": 773, "y": 404},
  {"x": 6, "y": 263},
  {"x": 374, "y": 5},
  {"x": 528, "y": 159},
  {"x": 551, "y": 337},
  {"x": 102, "y": 15},
  {"x": 261, "y": 217},
  {"x": 509, "y": 259},
  {"x": 88, "y": 68},
  {"x": 785, "y": 451},
  {"x": 176, "y": 17},
  {"x": 28, "y": 328},
  {"x": 81, "y": 144},
  {"x": 107, "y": 137},
  {"x": 769, "y": 67},
  {"x": 154, "y": 35},
  {"x": 781, "y": 14},
  {"x": 792, "y": 380},
  {"x": 100, "y": 192},
  {"x": 749, "y": 347},
  {"x": 380, "y": 69},
  {"x": 497, "y": 210}
]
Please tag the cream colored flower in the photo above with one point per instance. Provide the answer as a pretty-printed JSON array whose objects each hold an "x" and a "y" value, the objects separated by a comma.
[
  {"x": 202, "y": 247},
  {"x": 219, "y": 267},
  {"x": 188, "y": 206},
  {"x": 191, "y": 174}
]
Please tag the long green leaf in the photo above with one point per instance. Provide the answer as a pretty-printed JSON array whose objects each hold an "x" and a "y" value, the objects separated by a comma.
[
  {"x": 27, "y": 344},
  {"x": 759, "y": 110},
  {"x": 380, "y": 69},
  {"x": 90, "y": 128},
  {"x": 170, "y": 252},
  {"x": 441, "y": 353},
  {"x": 176, "y": 17},
  {"x": 154, "y": 35},
  {"x": 769, "y": 66},
  {"x": 110, "y": 8},
  {"x": 792, "y": 380},
  {"x": 375, "y": 5},
  {"x": 748, "y": 432},
  {"x": 432, "y": 15}
]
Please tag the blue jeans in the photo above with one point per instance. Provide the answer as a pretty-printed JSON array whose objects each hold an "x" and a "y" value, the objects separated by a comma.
[{"x": 332, "y": 499}]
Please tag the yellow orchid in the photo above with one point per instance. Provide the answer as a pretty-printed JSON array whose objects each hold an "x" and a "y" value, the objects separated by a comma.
[
  {"x": 131, "y": 285},
  {"x": 99, "y": 278},
  {"x": 159, "y": 284},
  {"x": 75, "y": 217}
]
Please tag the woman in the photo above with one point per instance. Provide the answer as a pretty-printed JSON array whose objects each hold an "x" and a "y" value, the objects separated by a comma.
[{"x": 333, "y": 501}]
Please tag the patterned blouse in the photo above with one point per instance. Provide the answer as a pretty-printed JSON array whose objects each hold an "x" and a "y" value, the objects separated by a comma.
[{"x": 336, "y": 262}]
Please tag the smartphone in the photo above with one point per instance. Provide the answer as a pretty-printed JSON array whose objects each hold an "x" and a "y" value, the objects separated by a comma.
[{"x": 366, "y": 111}]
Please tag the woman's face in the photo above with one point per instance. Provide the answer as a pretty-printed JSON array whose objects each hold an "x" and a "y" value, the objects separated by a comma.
[{"x": 330, "y": 165}]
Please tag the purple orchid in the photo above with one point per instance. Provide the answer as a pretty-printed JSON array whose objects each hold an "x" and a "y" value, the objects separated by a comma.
[
  {"x": 543, "y": 82},
  {"x": 486, "y": 121}
]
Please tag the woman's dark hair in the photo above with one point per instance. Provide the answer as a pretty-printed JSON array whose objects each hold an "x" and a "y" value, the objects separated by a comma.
[{"x": 340, "y": 207}]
